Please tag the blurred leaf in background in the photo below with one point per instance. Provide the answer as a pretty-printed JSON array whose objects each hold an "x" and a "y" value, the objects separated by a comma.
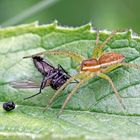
[{"x": 109, "y": 14}]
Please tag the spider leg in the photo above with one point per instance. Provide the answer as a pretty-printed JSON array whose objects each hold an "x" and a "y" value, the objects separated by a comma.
[
  {"x": 71, "y": 94},
  {"x": 68, "y": 75},
  {"x": 71, "y": 54},
  {"x": 136, "y": 66},
  {"x": 108, "y": 39},
  {"x": 98, "y": 51},
  {"x": 43, "y": 84},
  {"x": 114, "y": 66},
  {"x": 97, "y": 38},
  {"x": 104, "y": 76},
  {"x": 59, "y": 91},
  {"x": 110, "y": 68}
]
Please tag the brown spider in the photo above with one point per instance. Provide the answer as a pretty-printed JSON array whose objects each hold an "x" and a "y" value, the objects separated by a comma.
[{"x": 98, "y": 65}]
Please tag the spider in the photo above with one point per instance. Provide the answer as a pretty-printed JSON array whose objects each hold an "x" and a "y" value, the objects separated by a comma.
[{"x": 98, "y": 65}]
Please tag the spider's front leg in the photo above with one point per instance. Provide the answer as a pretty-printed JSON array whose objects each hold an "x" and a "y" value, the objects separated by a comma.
[
  {"x": 60, "y": 89},
  {"x": 98, "y": 50},
  {"x": 84, "y": 77},
  {"x": 70, "y": 54},
  {"x": 71, "y": 94}
]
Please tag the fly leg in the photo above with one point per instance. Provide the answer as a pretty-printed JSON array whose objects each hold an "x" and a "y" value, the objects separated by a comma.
[
  {"x": 67, "y": 75},
  {"x": 43, "y": 84},
  {"x": 58, "y": 79}
]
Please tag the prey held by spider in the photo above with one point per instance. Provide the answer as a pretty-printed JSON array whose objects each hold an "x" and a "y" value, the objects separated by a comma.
[{"x": 53, "y": 77}]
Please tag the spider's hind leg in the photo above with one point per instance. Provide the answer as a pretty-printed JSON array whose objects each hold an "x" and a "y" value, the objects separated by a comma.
[
  {"x": 130, "y": 65},
  {"x": 104, "y": 76}
]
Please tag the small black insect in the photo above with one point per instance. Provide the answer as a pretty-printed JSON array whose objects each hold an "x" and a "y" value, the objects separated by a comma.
[
  {"x": 54, "y": 77},
  {"x": 8, "y": 106}
]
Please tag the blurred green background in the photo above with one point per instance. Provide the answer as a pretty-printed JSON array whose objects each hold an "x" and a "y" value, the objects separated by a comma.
[{"x": 104, "y": 14}]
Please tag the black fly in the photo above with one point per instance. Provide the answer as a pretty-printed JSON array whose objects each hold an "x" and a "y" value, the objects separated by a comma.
[{"x": 54, "y": 77}]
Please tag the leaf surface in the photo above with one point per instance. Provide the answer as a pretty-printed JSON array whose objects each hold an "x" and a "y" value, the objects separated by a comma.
[{"x": 93, "y": 112}]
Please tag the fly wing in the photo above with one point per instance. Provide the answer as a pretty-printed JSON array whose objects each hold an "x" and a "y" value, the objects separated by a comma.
[
  {"x": 24, "y": 84},
  {"x": 42, "y": 65}
]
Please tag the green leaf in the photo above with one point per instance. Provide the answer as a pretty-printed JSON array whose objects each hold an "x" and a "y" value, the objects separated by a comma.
[{"x": 93, "y": 112}]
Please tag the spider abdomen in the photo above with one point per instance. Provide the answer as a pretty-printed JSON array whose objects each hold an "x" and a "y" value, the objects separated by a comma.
[{"x": 110, "y": 58}]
